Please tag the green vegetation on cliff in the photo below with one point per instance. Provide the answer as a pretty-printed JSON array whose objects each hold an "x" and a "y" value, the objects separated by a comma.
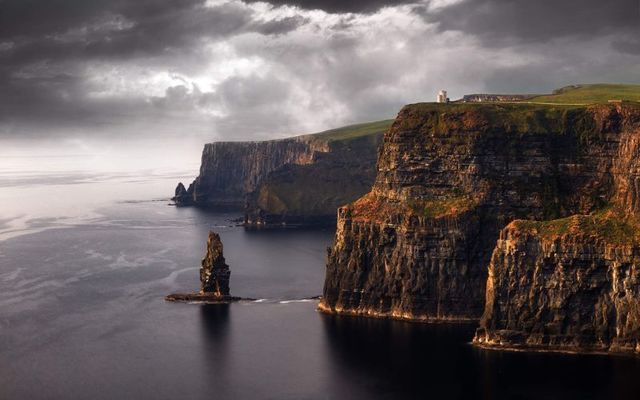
[
  {"x": 609, "y": 225},
  {"x": 354, "y": 131},
  {"x": 590, "y": 94}
]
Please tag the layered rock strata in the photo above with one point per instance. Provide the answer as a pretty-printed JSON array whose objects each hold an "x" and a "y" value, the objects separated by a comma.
[
  {"x": 449, "y": 178},
  {"x": 572, "y": 284},
  {"x": 214, "y": 272},
  {"x": 568, "y": 285},
  {"x": 231, "y": 170},
  {"x": 214, "y": 276},
  {"x": 310, "y": 194}
]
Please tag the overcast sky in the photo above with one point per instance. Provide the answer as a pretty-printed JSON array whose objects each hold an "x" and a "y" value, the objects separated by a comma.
[{"x": 232, "y": 70}]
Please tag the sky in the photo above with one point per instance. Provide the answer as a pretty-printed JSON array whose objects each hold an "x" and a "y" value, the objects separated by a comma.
[{"x": 205, "y": 70}]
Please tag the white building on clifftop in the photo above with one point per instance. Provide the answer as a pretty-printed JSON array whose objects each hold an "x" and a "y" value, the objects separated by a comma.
[{"x": 442, "y": 97}]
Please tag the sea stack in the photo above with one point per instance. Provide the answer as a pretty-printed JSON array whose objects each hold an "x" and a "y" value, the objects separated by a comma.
[
  {"x": 214, "y": 272},
  {"x": 214, "y": 277},
  {"x": 183, "y": 197}
]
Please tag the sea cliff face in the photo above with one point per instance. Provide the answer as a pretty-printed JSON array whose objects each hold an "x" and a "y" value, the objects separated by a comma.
[
  {"x": 569, "y": 285},
  {"x": 572, "y": 284},
  {"x": 230, "y": 170},
  {"x": 310, "y": 194},
  {"x": 296, "y": 181},
  {"x": 449, "y": 178}
]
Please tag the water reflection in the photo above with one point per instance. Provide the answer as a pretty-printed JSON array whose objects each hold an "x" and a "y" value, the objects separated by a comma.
[
  {"x": 390, "y": 359},
  {"x": 214, "y": 348},
  {"x": 214, "y": 320},
  {"x": 395, "y": 358}
]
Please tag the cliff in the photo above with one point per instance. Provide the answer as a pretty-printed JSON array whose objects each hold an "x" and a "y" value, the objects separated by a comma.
[
  {"x": 310, "y": 194},
  {"x": 230, "y": 170},
  {"x": 300, "y": 180},
  {"x": 449, "y": 178},
  {"x": 573, "y": 284},
  {"x": 569, "y": 285}
]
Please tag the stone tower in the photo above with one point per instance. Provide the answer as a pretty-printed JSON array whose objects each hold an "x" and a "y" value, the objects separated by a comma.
[{"x": 442, "y": 97}]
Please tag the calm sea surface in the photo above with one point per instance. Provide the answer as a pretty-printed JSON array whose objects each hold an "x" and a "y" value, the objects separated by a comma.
[{"x": 86, "y": 258}]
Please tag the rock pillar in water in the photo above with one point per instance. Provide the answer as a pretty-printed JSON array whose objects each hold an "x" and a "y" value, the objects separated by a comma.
[{"x": 214, "y": 273}]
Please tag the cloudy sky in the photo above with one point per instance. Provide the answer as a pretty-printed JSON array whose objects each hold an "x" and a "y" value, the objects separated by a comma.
[{"x": 233, "y": 70}]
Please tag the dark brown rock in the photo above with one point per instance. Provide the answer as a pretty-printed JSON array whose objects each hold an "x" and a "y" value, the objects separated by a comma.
[
  {"x": 450, "y": 177},
  {"x": 214, "y": 272},
  {"x": 567, "y": 285},
  {"x": 210, "y": 298},
  {"x": 214, "y": 277}
]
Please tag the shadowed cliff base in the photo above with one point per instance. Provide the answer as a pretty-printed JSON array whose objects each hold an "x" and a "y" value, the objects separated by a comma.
[{"x": 450, "y": 178}]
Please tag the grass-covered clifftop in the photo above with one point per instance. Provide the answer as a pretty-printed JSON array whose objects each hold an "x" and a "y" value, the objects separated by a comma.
[
  {"x": 590, "y": 94},
  {"x": 352, "y": 132}
]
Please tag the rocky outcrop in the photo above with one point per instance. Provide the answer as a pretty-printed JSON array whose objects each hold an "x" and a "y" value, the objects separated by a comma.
[
  {"x": 214, "y": 272},
  {"x": 182, "y": 196},
  {"x": 449, "y": 178},
  {"x": 568, "y": 285},
  {"x": 295, "y": 181},
  {"x": 214, "y": 277}
]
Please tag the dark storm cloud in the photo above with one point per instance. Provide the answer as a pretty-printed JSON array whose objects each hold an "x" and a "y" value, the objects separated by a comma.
[
  {"x": 45, "y": 44},
  {"x": 240, "y": 70},
  {"x": 339, "y": 6},
  {"x": 629, "y": 46},
  {"x": 123, "y": 29},
  {"x": 498, "y": 22}
]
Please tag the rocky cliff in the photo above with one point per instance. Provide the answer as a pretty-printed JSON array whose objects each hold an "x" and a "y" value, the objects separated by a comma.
[
  {"x": 310, "y": 194},
  {"x": 449, "y": 178},
  {"x": 230, "y": 170},
  {"x": 301, "y": 180},
  {"x": 571, "y": 284}
]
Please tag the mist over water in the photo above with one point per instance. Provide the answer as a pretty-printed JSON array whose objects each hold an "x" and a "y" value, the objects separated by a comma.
[{"x": 89, "y": 246}]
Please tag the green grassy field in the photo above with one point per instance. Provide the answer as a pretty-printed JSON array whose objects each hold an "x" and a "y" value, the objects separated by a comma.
[
  {"x": 355, "y": 131},
  {"x": 590, "y": 94}
]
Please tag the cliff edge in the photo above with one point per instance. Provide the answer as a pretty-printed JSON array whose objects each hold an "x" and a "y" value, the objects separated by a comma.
[
  {"x": 294, "y": 181},
  {"x": 449, "y": 178}
]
